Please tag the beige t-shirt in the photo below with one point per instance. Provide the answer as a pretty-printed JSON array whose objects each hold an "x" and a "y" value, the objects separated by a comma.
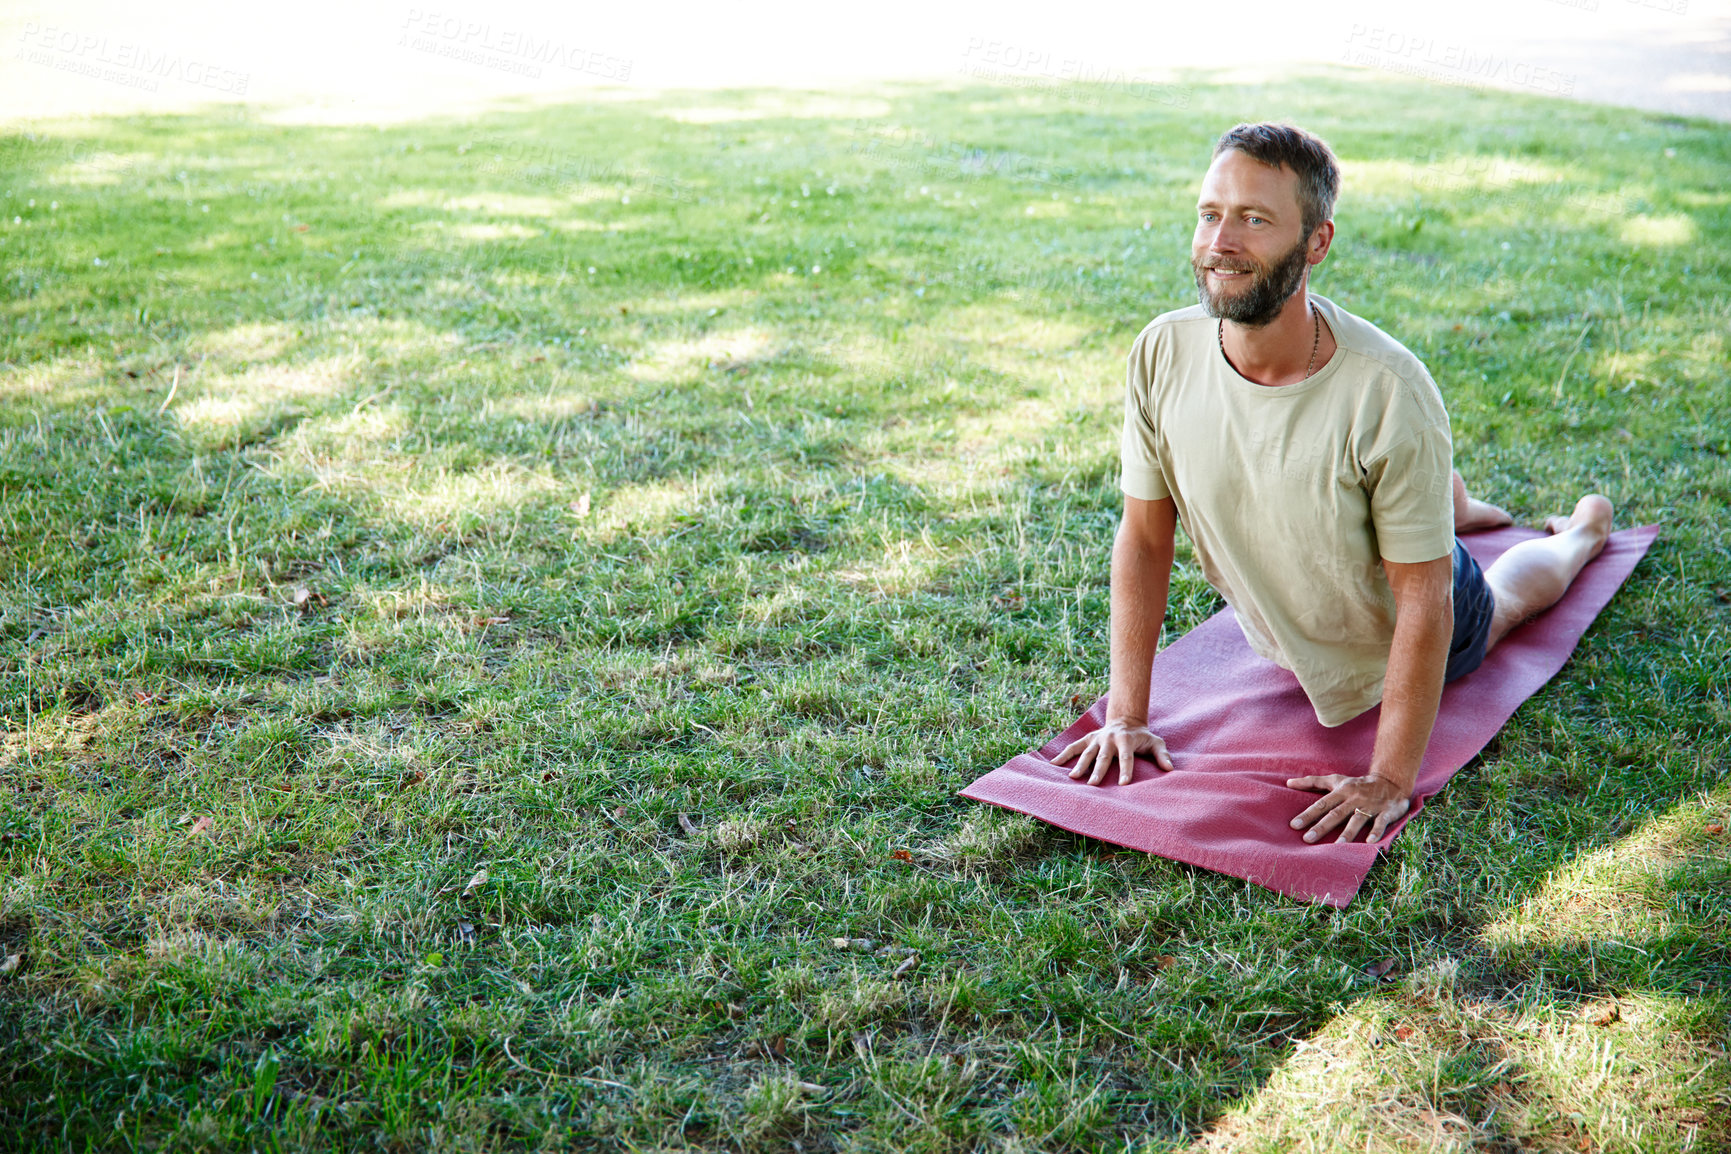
[{"x": 1293, "y": 494}]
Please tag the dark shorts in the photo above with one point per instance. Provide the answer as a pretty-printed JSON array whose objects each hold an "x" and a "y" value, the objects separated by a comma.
[{"x": 1474, "y": 606}]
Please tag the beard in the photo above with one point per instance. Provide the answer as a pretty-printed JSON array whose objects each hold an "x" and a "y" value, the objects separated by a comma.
[{"x": 1270, "y": 287}]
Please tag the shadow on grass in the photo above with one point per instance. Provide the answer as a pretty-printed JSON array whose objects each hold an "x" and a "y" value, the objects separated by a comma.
[{"x": 671, "y": 534}]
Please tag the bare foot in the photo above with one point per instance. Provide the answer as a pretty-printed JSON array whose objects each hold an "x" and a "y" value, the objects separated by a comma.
[
  {"x": 1592, "y": 516},
  {"x": 1472, "y": 514}
]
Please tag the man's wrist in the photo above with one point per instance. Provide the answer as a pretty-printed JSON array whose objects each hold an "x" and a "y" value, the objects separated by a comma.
[{"x": 1405, "y": 782}]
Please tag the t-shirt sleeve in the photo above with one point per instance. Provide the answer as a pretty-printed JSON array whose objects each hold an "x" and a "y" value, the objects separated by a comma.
[
  {"x": 1139, "y": 459},
  {"x": 1412, "y": 497}
]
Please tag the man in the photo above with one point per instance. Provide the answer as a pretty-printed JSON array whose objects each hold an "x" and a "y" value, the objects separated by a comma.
[{"x": 1308, "y": 455}]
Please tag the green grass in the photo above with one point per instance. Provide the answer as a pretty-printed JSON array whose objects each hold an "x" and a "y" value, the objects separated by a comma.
[{"x": 667, "y": 505}]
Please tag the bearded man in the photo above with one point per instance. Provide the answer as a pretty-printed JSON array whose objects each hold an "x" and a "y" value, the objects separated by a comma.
[{"x": 1308, "y": 455}]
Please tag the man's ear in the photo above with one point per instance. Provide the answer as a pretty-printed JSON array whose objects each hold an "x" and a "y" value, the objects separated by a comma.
[{"x": 1319, "y": 242}]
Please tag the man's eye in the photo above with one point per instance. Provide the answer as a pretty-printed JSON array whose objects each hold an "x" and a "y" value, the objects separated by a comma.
[{"x": 1256, "y": 220}]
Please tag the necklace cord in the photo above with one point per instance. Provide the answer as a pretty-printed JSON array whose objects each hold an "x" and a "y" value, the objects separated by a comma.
[{"x": 1315, "y": 339}]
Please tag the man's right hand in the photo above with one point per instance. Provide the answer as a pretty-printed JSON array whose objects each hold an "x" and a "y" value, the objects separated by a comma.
[{"x": 1116, "y": 741}]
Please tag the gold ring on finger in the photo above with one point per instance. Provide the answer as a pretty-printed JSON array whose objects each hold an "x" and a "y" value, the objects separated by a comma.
[{"x": 1356, "y": 810}]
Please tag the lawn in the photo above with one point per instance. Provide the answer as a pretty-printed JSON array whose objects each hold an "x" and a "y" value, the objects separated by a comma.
[{"x": 496, "y": 613}]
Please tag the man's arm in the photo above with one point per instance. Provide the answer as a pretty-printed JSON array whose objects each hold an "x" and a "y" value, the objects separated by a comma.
[
  {"x": 1417, "y": 659},
  {"x": 1141, "y": 574}
]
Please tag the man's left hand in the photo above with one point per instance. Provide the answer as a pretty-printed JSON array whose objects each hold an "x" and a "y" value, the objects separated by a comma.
[{"x": 1352, "y": 804}]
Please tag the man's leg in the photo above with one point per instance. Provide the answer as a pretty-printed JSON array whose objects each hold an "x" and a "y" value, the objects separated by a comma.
[
  {"x": 1472, "y": 514},
  {"x": 1533, "y": 576}
]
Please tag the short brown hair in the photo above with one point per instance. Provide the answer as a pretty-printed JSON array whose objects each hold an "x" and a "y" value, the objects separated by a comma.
[{"x": 1288, "y": 146}]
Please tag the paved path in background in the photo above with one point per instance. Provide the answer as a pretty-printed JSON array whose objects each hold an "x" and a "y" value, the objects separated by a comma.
[
  {"x": 1680, "y": 75},
  {"x": 364, "y": 61}
]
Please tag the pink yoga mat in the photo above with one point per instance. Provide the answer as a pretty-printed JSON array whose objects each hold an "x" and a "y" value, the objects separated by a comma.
[{"x": 1238, "y": 726}]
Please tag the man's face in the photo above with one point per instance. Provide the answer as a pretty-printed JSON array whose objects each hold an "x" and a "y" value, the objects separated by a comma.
[{"x": 1249, "y": 252}]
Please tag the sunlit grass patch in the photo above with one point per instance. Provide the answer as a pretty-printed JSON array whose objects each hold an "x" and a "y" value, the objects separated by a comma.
[
  {"x": 1631, "y": 896},
  {"x": 1659, "y": 232},
  {"x": 1435, "y": 1066}
]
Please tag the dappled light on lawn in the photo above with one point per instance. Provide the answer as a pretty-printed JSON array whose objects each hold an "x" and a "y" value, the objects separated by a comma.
[
  {"x": 734, "y": 351},
  {"x": 1630, "y": 900},
  {"x": 214, "y": 404},
  {"x": 1435, "y": 1064},
  {"x": 1665, "y": 231}
]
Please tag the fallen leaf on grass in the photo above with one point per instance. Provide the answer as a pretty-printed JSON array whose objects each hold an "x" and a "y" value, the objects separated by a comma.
[
  {"x": 1715, "y": 829},
  {"x": 11, "y": 964},
  {"x": 475, "y": 882},
  {"x": 581, "y": 506},
  {"x": 1165, "y": 961},
  {"x": 550, "y": 775},
  {"x": 495, "y": 619},
  {"x": 902, "y": 855},
  {"x": 304, "y": 598},
  {"x": 202, "y": 825},
  {"x": 1403, "y": 1032},
  {"x": 466, "y": 933},
  {"x": 863, "y": 945},
  {"x": 619, "y": 812},
  {"x": 775, "y": 1047},
  {"x": 908, "y": 963},
  {"x": 1606, "y": 1016},
  {"x": 1380, "y": 970},
  {"x": 813, "y": 1088},
  {"x": 413, "y": 777},
  {"x": 686, "y": 824}
]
